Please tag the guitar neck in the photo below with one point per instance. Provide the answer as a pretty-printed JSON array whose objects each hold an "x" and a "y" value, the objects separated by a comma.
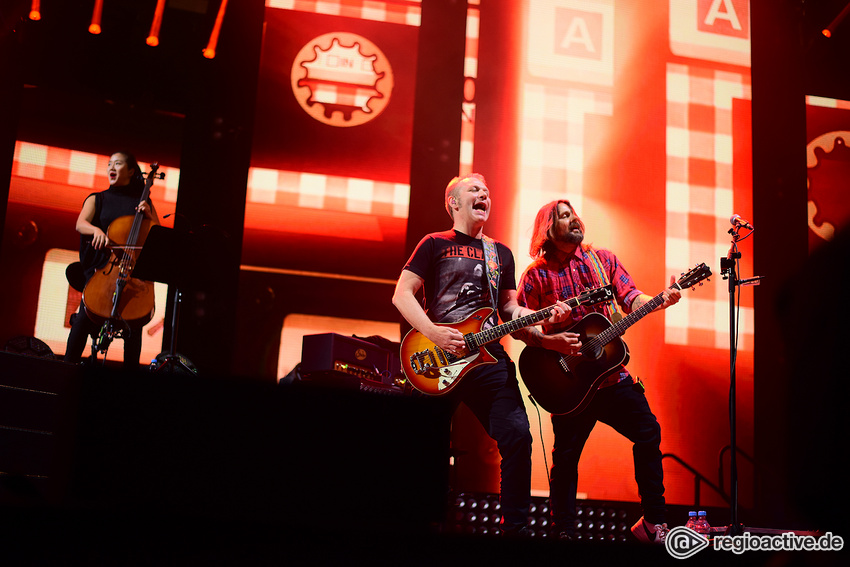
[
  {"x": 620, "y": 326},
  {"x": 499, "y": 331}
]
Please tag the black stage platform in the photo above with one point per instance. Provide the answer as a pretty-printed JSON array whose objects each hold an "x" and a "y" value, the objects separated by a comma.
[{"x": 107, "y": 468}]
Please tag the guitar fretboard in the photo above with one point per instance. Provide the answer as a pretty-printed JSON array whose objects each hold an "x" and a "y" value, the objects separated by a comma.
[
  {"x": 495, "y": 333},
  {"x": 623, "y": 324},
  {"x": 475, "y": 340}
]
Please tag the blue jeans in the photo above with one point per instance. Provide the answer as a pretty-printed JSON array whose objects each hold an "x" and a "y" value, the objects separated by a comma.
[
  {"x": 626, "y": 410},
  {"x": 492, "y": 394}
]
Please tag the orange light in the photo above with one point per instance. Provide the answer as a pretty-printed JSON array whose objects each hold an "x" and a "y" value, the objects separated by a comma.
[
  {"x": 830, "y": 29},
  {"x": 153, "y": 36},
  {"x": 94, "y": 27},
  {"x": 209, "y": 52},
  {"x": 35, "y": 10}
]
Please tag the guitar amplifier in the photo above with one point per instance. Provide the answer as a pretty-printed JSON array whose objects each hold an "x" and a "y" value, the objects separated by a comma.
[{"x": 374, "y": 367}]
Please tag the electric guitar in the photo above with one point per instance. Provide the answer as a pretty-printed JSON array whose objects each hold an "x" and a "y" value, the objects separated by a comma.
[
  {"x": 434, "y": 371},
  {"x": 565, "y": 384}
]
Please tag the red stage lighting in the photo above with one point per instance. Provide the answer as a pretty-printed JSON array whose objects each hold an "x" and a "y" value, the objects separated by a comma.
[
  {"x": 209, "y": 51},
  {"x": 153, "y": 36},
  {"x": 830, "y": 29},
  {"x": 94, "y": 26}
]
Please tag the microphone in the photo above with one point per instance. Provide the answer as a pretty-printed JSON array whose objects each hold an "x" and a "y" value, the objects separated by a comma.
[{"x": 736, "y": 221}]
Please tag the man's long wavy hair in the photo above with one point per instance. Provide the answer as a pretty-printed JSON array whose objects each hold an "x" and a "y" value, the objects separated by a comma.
[{"x": 541, "y": 236}]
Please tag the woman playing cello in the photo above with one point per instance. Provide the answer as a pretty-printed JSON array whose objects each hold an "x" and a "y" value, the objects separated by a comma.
[{"x": 126, "y": 185}]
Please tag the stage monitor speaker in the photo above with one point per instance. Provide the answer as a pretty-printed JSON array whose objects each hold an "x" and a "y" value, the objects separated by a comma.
[
  {"x": 328, "y": 353},
  {"x": 29, "y": 346},
  {"x": 37, "y": 411}
]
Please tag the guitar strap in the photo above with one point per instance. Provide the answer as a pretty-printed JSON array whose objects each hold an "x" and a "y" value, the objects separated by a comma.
[
  {"x": 491, "y": 260},
  {"x": 613, "y": 312},
  {"x": 596, "y": 264}
]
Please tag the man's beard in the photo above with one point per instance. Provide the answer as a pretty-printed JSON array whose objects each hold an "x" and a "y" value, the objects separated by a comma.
[{"x": 570, "y": 237}]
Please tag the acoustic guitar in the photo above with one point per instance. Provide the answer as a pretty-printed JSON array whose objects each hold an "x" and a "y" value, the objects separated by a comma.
[{"x": 565, "y": 384}]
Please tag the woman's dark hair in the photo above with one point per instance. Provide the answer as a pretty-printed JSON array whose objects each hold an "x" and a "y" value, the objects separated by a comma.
[{"x": 138, "y": 180}]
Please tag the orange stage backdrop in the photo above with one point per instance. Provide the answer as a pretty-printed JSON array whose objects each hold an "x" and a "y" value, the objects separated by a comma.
[{"x": 636, "y": 110}]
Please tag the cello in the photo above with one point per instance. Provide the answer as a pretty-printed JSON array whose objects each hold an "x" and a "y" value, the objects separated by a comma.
[{"x": 112, "y": 297}]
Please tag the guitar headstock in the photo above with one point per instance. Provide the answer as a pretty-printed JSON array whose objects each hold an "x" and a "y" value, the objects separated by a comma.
[
  {"x": 596, "y": 295},
  {"x": 694, "y": 276}
]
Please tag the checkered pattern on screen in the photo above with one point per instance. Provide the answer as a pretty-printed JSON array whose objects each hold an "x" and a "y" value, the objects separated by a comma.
[
  {"x": 700, "y": 197},
  {"x": 265, "y": 186},
  {"x": 552, "y": 150},
  {"x": 75, "y": 168},
  {"x": 327, "y": 192},
  {"x": 407, "y": 13},
  {"x": 827, "y": 102}
]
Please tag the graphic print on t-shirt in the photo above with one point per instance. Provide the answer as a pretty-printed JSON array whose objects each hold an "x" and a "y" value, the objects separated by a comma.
[{"x": 462, "y": 281}]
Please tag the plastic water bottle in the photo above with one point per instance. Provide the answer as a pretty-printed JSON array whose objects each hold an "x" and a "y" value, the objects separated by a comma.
[
  {"x": 692, "y": 519},
  {"x": 701, "y": 526}
]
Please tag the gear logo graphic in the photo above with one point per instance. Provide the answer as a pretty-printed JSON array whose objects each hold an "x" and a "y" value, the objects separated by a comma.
[
  {"x": 342, "y": 79},
  {"x": 828, "y": 161}
]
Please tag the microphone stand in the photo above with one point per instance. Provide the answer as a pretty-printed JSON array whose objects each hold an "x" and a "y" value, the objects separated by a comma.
[{"x": 729, "y": 272}]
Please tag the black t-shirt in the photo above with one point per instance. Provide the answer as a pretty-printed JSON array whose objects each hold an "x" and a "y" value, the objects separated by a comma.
[{"x": 455, "y": 273}]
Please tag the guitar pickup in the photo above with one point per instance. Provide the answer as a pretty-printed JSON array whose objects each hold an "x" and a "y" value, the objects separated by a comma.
[
  {"x": 448, "y": 358},
  {"x": 442, "y": 355}
]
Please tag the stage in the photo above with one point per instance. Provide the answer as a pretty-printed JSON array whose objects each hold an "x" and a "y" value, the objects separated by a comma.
[{"x": 106, "y": 467}]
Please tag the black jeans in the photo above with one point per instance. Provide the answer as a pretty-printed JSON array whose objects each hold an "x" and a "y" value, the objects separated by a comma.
[
  {"x": 492, "y": 394},
  {"x": 83, "y": 327},
  {"x": 626, "y": 410}
]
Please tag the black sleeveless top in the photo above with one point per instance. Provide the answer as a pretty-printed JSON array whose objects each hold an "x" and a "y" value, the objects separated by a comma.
[{"x": 115, "y": 202}]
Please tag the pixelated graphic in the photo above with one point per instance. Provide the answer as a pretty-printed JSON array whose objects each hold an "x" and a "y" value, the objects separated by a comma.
[
  {"x": 828, "y": 168},
  {"x": 572, "y": 40},
  {"x": 828, "y": 162},
  {"x": 711, "y": 30},
  {"x": 342, "y": 79},
  {"x": 335, "y": 97}
]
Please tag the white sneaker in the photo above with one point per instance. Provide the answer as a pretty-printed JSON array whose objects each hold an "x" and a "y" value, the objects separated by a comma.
[{"x": 650, "y": 533}]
